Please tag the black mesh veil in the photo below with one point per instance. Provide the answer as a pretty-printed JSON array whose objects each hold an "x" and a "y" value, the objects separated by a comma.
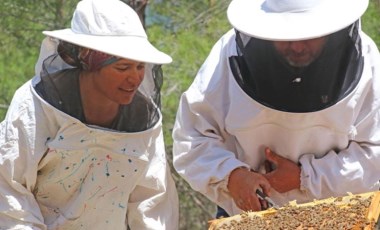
[
  {"x": 58, "y": 84},
  {"x": 268, "y": 79}
]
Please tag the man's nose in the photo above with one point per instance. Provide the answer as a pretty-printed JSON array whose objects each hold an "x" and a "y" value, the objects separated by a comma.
[{"x": 297, "y": 46}]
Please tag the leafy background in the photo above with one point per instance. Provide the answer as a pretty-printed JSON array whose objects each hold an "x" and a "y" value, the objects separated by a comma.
[{"x": 185, "y": 29}]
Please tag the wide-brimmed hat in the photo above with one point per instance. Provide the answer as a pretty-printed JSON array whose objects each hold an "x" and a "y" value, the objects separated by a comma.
[
  {"x": 112, "y": 27},
  {"x": 290, "y": 20}
]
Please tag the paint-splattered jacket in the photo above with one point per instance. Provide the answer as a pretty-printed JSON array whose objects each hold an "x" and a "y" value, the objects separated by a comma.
[{"x": 58, "y": 173}]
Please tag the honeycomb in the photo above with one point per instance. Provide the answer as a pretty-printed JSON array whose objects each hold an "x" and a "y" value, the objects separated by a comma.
[{"x": 354, "y": 212}]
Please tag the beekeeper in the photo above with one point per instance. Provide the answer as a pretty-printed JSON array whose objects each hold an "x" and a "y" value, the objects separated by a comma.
[
  {"x": 287, "y": 102},
  {"x": 81, "y": 146}
]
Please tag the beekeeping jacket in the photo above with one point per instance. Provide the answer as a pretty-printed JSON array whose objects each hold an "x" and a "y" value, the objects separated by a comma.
[
  {"x": 224, "y": 121},
  {"x": 58, "y": 173}
]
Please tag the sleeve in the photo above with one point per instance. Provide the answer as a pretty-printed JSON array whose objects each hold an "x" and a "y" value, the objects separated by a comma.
[
  {"x": 356, "y": 168},
  {"x": 18, "y": 165},
  {"x": 154, "y": 203},
  {"x": 203, "y": 152}
]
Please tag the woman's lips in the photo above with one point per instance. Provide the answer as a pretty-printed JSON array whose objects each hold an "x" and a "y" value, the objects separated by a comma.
[{"x": 128, "y": 90}]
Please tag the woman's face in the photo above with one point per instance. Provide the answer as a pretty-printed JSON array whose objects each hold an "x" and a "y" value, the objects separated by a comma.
[
  {"x": 119, "y": 81},
  {"x": 300, "y": 53}
]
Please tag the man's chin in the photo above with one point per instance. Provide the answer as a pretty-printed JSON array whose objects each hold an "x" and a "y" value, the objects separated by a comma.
[{"x": 299, "y": 63}]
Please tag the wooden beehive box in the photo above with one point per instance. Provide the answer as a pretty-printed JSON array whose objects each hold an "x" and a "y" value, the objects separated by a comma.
[{"x": 356, "y": 212}]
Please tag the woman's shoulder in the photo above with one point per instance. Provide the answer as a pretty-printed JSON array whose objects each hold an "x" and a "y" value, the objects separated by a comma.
[
  {"x": 22, "y": 97},
  {"x": 23, "y": 105}
]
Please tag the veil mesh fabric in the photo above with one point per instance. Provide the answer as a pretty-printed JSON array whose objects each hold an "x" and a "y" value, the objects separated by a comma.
[{"x": 266, "y": 78}]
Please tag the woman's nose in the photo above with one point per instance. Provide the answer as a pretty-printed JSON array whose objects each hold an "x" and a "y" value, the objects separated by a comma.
[{"x": 135, "y": 77}]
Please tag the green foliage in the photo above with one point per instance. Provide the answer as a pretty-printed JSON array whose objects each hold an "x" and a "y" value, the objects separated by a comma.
[
  {"x": 188, "y": 37},
  {"x": 15, "y": 69},
  {"x": 23, "y": 21},
  {"x": 371, "y": 21}
]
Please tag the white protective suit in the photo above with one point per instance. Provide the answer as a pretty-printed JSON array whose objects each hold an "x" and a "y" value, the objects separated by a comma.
[
  {"x": 58, "y": 173},
  {"x": 219, "y": 128}
]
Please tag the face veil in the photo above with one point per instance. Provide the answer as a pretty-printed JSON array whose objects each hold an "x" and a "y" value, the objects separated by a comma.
[
  {"x": 58, "y": 84},
  {"x": 268, "y": 79}
]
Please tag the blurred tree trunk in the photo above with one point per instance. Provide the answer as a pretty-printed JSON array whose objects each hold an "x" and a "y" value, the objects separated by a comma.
[{"x": 139, "y": 6}]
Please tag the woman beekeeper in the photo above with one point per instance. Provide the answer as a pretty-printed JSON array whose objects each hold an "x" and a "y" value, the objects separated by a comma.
[{"x": 82, "y": 145}]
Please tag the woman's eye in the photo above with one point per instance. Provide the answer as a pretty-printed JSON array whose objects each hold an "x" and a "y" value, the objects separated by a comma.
[
  {"x": 123, "y": 68},
  {"x": 130, "y": 67}
]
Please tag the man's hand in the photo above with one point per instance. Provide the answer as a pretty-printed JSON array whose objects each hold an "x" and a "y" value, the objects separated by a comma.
[
  {"x": 243, "y": 184},
  {"x": 285, "y": 176}
]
